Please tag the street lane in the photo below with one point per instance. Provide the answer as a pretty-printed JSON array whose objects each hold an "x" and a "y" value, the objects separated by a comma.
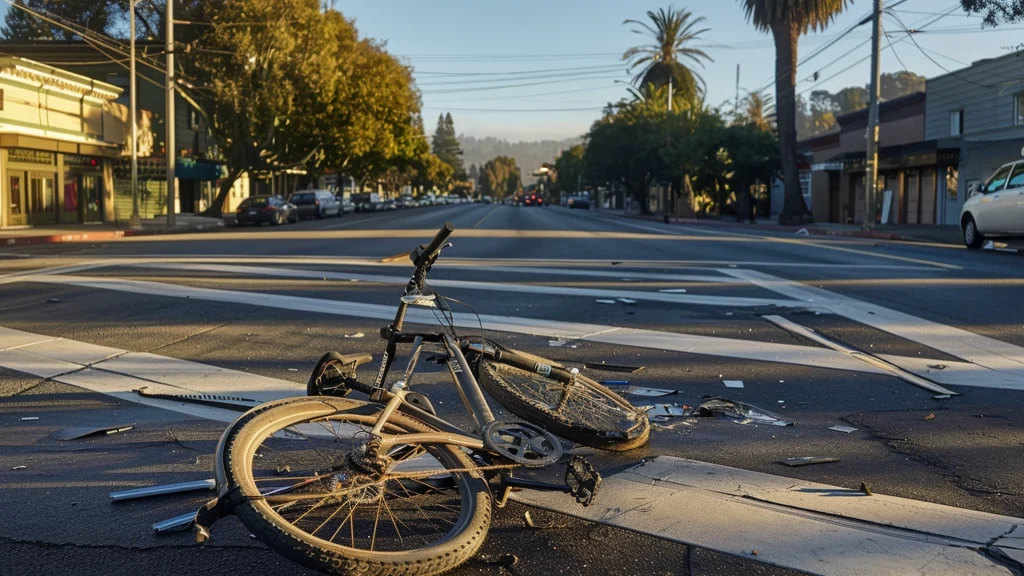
[{"x": 206, "y": 304}]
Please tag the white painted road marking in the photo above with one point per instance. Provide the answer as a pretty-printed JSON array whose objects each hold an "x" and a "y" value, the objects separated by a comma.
[{"x": 816, "y": 528}]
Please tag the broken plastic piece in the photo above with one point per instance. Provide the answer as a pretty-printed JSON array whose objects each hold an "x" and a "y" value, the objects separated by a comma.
[
  {"x": 803, "y": 232},
  {"x": 182, "y": 522},
  {"x": 733, "y": 383},
  {"x": 626, "y": 300},
  {"x": 606, "y": 301},
  {"x": 668, "y": 410},
  {"x": 83, "y": 431},
  {"x": 29, "y": 418},
  {"x": 846, "y": 429},
  {"x": 808, "y": 460},
  {"x": 499, "y": 560},
  {"x": 673, "y": 290},
  {"x": 648, "y": 392},
  {"x": 929, "y": 417},
  {"x": 937, "y": 366},
  {"x": 562, "y": 344},
  {"x": 19, "y": 467},
  {"x": 941, "y": 397},
  {"x": 163, "y": 489},
  {"x": 738, "y": 412},
  {"x": 356, "y": 335}
]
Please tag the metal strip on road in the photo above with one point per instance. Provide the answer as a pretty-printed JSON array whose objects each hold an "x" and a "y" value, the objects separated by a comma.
[
  {"x": 868, "y": 358},
  {"x": 981, "y": 350},
  {"x": 816, "y": 528}
]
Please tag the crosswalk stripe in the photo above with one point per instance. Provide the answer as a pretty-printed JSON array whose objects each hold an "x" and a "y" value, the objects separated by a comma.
[{"x": 815, "y": 528}]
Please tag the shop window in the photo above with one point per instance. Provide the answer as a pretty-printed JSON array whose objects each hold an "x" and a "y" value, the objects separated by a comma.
[
  {"x": 1018, "y": 109},
  {"x": 956, "y": 122}
]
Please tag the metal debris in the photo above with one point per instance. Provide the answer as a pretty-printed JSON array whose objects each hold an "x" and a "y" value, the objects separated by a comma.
[
  {"x": 605, "y": 301},
  {"x": 54, "y": 300},
  {"x": 941, "y": 397},
  {"x": 738, "y": 412},
  {"x": 29, "y": 418},
  {"x": 82, "y": 431},
  {"x": 625, "y": 388},
  {"x": 19, "y": 467},
  {"x": 808, "y": 460},
  {"x": 498, "y": 560},
  {"x": 626, "y": 300},
  {"x": 213, "y": 400},
  {"x": 545, "y": 526},
  {"x": 673, "y": 290},
  {"x": 937, "y": 366},
  {"x": 667, "y": 410},
  {"x": 866, "y": 489},
  {"x": 562, "y": 344},
  {"x": 356, "y": 335},
  {"x": 733, "y": 383},
  {"x": 182, "y": 522},
  {"x": 846, "y": 429},
  {"x": 163, "y": 489}
]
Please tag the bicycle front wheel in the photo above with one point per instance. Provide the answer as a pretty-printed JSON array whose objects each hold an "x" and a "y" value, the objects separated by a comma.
[
  {"x": 312, "y": 495},
  {"x": 582, "y": 410}
]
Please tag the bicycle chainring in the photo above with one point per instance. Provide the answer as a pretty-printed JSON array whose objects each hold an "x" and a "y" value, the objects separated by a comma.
[{"x": 522, "y": 443}]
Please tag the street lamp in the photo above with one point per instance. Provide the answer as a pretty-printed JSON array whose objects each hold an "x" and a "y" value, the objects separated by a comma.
[{"x": 135, "y": 222}]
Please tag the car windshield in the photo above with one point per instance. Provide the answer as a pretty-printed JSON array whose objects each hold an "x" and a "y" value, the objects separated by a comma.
[
  {"x": 304, "y": 198},
  {"x": 996, "y": 182},
  {"x": 256, "y": 202}
]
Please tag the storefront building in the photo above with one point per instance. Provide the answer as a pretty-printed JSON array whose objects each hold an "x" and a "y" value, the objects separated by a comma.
[{"x": 59, "y": 137}]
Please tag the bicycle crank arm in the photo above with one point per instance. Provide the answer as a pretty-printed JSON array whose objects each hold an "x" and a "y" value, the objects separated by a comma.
[
  {"x": 581, "y": 481},
  {"x": 508, "y": 484}
]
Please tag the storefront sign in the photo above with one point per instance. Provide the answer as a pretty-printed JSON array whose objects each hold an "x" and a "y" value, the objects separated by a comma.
[
  {"x": 26, "y": 156},
  {"x": 76, "y": 161}
]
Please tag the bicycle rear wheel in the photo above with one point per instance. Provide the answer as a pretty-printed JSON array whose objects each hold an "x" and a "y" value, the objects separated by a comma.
[
  {"x": 310, "y": 496},
  {"x": 583, "y": 411}
]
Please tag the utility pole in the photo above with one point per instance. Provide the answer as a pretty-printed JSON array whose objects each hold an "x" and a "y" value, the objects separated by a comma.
[
  {"x": 135, "y": 222},
  {"x": 871, "y": 167},
  {"x": 170, "y": 119},
  {"x": 736, "y": 106},
  {"x": 670, "y": 93}
]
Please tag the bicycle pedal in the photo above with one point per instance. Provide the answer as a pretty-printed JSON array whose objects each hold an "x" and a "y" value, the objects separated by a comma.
[{"x": 582, "y": 480}]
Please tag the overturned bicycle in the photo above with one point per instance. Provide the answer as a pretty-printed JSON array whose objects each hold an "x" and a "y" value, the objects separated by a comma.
[{"x": 386, "y": 486}]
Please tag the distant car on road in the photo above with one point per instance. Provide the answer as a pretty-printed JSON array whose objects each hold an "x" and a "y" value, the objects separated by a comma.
[
  {"x": 995, "y": 209},
  {"x": 316, "y": 204},
  {"x": 579, "y": 203},
  {"x": 532, "y": 200},
  {"x": 271, "y": 210}
]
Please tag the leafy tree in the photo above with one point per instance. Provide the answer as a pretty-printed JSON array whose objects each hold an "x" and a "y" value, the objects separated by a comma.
[
  {"x": 624, "y": 147},
  {"x": 474, "y": 173},
  {"x": 432, "y": 173},
  {"x": 996, "y": 11},
  {"x": 787, "y": 20},
  {"x": 672, "y": 33},
  {"x": 755, "y": 160},
  {"x": 94, "y": 15},
  {"x": 568, "y": 170},
  {"x": 757, "y": 109},
  {"x": 446, "y": 145},
  {"x": 901, "y": 83},
  {"x": 500, "y": 177}
]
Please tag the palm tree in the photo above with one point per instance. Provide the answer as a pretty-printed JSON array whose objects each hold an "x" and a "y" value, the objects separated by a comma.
[
  {"x": 672, "y": 32},
  {"x": 787, "y": 20},
  {"x": 757, "y": 110}
]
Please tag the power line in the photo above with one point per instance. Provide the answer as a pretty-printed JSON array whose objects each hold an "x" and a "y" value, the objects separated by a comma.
[
  {"x": 484, "y": 88},
  {"x": 928, "y": 56},
  {"x": 560, "y": 76},
  {"x": 574, "y": 69},
  {"x": 506, "y": 110}
]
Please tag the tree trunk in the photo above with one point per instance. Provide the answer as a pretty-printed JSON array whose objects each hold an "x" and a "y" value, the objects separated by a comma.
[
  {"x": 786, "y": 35},
  {"x": 216, "y": 209}
]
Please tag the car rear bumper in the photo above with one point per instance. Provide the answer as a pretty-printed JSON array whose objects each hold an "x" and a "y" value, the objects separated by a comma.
[{"x": 257, "y": 218}]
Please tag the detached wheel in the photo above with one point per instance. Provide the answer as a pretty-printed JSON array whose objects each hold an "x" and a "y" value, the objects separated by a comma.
[{"x": 973, "y": 238}]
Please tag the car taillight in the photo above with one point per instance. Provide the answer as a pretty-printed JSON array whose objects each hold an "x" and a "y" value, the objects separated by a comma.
[
  {"x": 270, "y": 209},
  {"x": 317, "y": 202}
]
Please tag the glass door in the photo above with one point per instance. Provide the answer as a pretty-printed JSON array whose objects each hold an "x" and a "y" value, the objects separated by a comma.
[
  {"x": 16, "y": 214},
  {"x": 71, "y": 199},
  {"x": 42, "y": 201},
  {"x": 92, "y": 198}
]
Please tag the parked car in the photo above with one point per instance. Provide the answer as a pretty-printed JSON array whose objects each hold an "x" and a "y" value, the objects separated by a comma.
[
  {"x": 579, "y": 203},
  {"x": 316, "y": 204},
  {"x": 272, "y": 210},
  {"x": 995, "y": 209},
  {"x": 347, "y": 206}
]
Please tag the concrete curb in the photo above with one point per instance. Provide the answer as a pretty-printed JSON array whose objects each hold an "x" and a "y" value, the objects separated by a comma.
[{"x": 103, "y": 235}]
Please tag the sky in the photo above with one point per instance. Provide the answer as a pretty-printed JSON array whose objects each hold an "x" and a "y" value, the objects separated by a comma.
[
  {"x": 538, "y": 69},
  {"x": 451, "y": 42}
]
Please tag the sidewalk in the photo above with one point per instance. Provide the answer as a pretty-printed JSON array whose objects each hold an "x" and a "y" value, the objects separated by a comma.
[
  {"x": 99, "y": 232},
  {"x": 903, "y": 232}
]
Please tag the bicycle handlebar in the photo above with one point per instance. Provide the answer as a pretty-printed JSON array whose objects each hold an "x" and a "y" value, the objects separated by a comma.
[{"x": 424, "y": 254}]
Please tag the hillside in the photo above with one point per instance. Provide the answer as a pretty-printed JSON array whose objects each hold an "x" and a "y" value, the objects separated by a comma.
[{"x": 529, "y": 155}]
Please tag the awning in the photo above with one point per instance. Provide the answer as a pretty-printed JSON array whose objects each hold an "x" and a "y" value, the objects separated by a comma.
[{"x": 927, "y": 153}]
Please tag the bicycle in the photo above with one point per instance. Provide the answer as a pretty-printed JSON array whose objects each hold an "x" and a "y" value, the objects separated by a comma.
[{"x": 402, "y": 490}]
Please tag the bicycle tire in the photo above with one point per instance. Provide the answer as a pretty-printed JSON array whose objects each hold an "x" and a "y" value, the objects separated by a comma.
[
  {"x": 631, "y": 429},
  {"x": 244, "y": 439}
]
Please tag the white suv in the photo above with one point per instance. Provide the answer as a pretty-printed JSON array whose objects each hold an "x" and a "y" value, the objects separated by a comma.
[{"x": 997, "y": 208}]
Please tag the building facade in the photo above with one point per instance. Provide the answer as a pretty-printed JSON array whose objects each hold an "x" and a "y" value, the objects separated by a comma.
[
  {"x": 915, "y": 173},
  {"x": 979, "y": 111},
  {"x": 198, "y": 167},
  {"x": 60, "y": 138}
]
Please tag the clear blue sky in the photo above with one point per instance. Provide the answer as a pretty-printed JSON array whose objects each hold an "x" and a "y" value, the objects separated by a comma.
[
  {"x": 463, "y": 36},
  {"x": 485, "y": 61}
]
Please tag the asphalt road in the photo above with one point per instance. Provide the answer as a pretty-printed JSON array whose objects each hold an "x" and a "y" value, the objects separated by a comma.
[{"x": 697, "y": 298}]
